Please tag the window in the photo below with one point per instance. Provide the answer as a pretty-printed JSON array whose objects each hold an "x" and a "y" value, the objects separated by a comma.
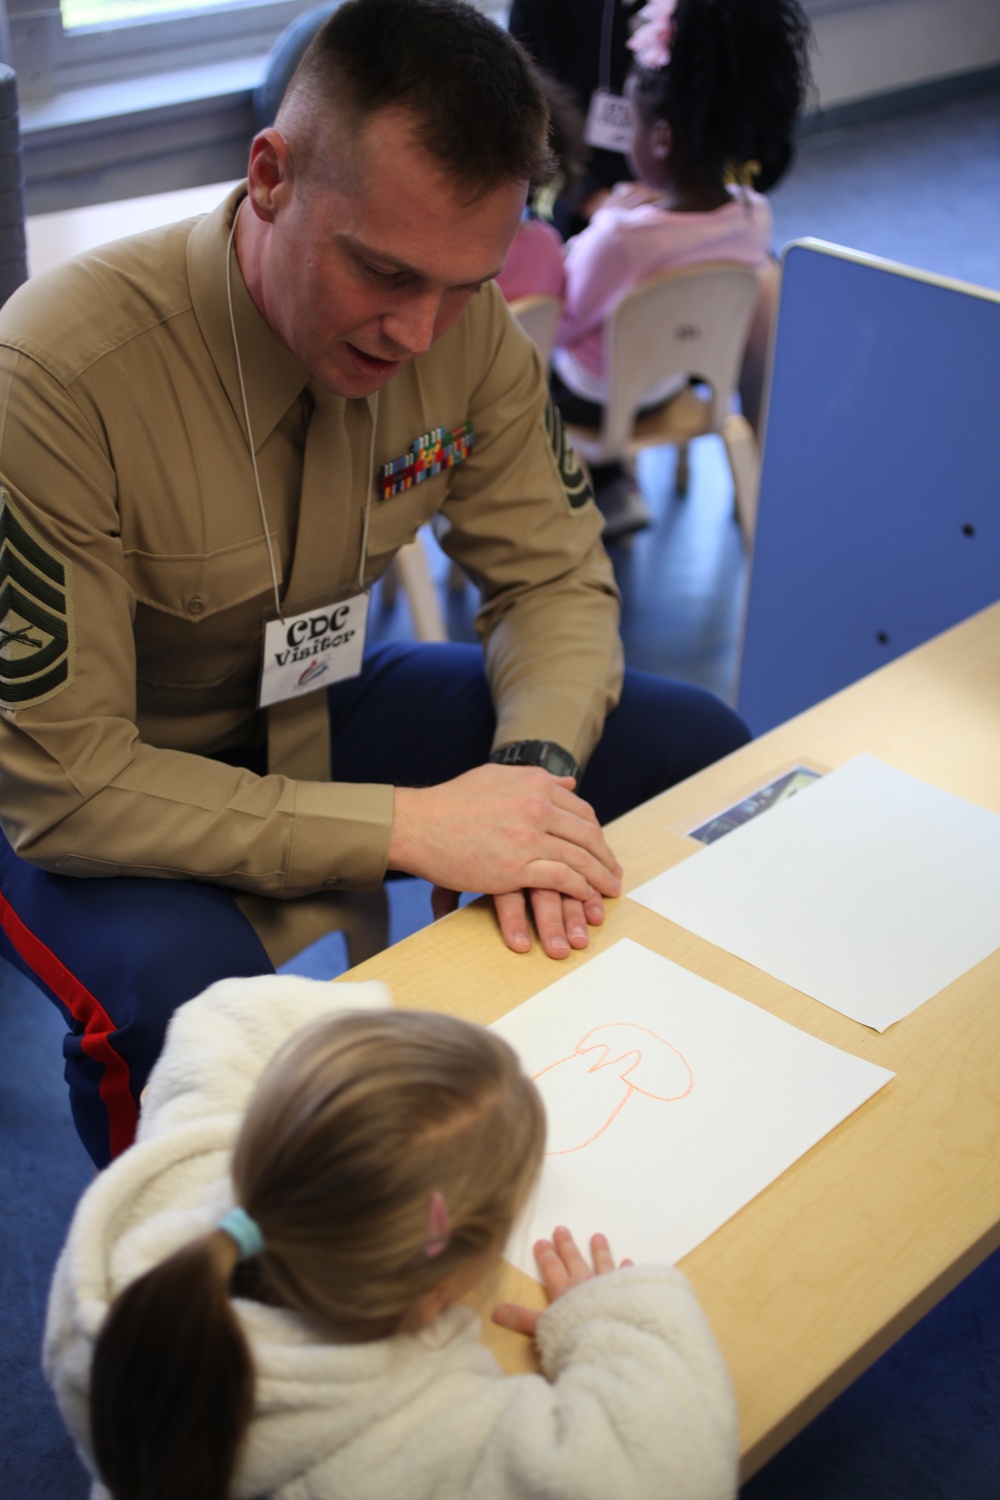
[
  {"x": 121, "y": 98},
  {"x": 89, "y": 42}
]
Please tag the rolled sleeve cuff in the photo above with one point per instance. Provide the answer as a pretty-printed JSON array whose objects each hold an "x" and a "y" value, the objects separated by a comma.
[
  {"x": 341, "y": 837},
  {"x": 534, "y": 715}
]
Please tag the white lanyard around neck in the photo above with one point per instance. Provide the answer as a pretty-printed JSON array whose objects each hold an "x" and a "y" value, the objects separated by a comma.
[
  {"x": 325, "y": 643},
  {"x": 248, "y": 433}
]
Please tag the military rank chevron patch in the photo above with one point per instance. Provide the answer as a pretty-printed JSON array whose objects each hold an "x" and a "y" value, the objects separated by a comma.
[
  {"x": 571, "y": 471},
  {"x": 36, "y": 614}
]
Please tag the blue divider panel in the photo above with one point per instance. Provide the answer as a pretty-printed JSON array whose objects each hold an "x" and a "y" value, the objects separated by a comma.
[{"x": 879, "y": 521}]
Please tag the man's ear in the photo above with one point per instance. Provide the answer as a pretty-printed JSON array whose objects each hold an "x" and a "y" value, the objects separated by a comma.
[{"x": 268, "y": 173}]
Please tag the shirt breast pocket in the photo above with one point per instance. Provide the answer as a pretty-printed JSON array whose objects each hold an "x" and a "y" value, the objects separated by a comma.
[
  {"x": 396, "y": 521},
  {"x": 198, "y": 617}
]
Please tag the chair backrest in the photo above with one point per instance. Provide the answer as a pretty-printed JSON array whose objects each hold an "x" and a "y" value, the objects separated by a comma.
[
  {"x": 689, "y": 322},
  {"x": 539, "y": 317}
]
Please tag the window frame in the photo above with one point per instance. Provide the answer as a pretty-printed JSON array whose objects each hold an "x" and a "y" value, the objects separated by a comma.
[{"x": 49, "y": 60}]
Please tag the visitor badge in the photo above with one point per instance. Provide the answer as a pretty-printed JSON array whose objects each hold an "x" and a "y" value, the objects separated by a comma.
[
  {"x": 313, "y": 650},
  {"x": 609, "y": 121}
]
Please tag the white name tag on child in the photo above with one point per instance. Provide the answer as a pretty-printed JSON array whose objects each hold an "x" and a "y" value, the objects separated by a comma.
[
  {"x": 313, "y": 650},
  {"x": 609, "y": 121}
]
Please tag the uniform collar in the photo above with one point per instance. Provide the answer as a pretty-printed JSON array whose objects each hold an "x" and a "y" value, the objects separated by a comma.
[{"x": 273, "y": 376}]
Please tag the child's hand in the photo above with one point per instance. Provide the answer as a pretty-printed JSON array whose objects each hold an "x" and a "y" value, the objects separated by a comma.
[{"x": 562, "y": 1267}]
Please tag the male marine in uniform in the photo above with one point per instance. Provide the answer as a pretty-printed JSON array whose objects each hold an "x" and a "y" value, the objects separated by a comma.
[{"x": 206, "y": 425}]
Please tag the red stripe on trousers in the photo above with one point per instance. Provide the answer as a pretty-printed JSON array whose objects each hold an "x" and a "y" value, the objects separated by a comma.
[{"x": 98, "y": 1027}]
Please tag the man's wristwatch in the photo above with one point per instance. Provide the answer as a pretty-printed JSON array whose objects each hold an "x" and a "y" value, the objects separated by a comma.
[{"x": 544, "y": 753}]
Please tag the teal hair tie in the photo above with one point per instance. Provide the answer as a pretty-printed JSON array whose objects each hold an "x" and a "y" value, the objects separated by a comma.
[{"x": 238, "y": 1224}]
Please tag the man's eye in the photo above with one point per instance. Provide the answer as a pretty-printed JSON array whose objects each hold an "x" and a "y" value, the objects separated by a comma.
[{"x": 378, "y": 273}]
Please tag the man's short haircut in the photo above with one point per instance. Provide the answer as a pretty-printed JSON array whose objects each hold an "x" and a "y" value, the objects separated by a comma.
[{"x": 478, "y": 107}]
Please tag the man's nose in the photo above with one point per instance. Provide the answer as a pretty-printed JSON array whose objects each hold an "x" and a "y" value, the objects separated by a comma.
[{"x": 411, "y": 326}]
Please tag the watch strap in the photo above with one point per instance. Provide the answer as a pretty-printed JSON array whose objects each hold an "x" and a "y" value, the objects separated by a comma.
[{"x": 544, "y": 753}]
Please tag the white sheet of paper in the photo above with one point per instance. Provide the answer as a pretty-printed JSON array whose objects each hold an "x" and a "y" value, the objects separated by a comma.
[
  {"x": 869, "y": 891},
  {"x": 670, "y": 1103}
]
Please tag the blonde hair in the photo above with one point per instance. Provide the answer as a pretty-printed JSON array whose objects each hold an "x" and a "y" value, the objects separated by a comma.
[{"x": 359, "y": 1123}]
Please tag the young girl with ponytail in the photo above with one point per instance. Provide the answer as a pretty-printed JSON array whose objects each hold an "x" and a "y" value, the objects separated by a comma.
[{"x": 260, "y": 1297}]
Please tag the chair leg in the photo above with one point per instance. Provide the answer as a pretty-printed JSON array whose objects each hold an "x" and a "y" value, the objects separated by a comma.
[
  {"x": 682, "y": 473},
  {"x": 744, "y": 461},
  {"x": 389, "y": 585},
  {"x": 413, "y": 571}
]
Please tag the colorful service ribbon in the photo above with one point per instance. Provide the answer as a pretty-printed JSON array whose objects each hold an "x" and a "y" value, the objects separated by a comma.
[{"x": 428, "y": 455}]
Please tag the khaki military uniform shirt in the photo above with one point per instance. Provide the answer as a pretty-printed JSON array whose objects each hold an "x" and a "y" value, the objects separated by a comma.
[{"x": 134, "y": 570}]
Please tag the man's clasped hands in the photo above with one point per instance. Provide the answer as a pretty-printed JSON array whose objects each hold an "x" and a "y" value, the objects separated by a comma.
[{"x": 516, "y": 833}]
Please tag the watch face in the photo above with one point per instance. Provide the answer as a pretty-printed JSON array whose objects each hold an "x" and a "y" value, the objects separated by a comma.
[{"x": 559, "y": 761}]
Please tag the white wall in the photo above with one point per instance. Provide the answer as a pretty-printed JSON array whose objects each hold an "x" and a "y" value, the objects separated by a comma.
[{"x": 866, "y": 47}]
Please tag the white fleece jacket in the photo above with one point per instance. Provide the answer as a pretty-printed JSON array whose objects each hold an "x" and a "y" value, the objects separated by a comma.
[{"x": 635, "y": 1401}]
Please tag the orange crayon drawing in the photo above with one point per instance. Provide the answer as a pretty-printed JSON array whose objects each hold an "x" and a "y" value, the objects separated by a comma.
[{"x": 665, "y": 1075}]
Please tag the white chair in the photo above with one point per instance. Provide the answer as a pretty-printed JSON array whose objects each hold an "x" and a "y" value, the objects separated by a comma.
[
  {"x": 411, "y": 568},
  {"x": 539, "y": 317},
  {"x": 690, "y": 323}
]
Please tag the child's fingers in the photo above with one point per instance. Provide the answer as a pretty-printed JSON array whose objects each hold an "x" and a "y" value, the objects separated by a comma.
[
  {"x": 601, "y": 1252},
  {"x": 572, "y": 1259},
  {"x": 551, "y": 1269},
  {"x": 518, "y": 1319},
  {"x": 561, "y": 1264}
]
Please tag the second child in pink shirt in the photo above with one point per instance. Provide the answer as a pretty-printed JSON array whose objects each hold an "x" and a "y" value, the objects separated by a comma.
[
  {"x": 714, "y": 95},
  {"x": 534, "y": 265},
  {"x": 632, "y": 239}
]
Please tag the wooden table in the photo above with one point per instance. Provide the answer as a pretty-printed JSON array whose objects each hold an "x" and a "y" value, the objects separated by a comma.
[{"x": 812, "y": 1281}]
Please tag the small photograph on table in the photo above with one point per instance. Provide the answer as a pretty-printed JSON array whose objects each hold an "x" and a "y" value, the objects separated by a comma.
[{"x": 765, "y": 797}]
